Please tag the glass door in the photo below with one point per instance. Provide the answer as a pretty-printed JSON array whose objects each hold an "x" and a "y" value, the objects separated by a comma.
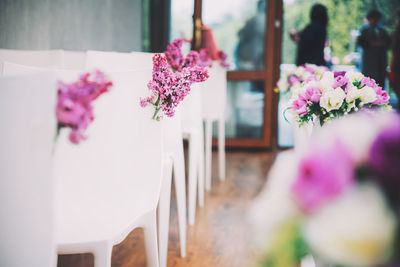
[{"x": 246, "y": 30}]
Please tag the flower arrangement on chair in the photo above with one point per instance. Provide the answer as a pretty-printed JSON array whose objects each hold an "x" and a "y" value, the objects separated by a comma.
[
  {"x": 74, "y": 108},
  {"x": 340, "y": 202},
  {"x": 334, "y": 95},
  {"x": 171, "y": 80}
]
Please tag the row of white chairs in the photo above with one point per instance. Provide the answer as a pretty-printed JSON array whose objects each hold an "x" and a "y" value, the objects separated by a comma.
[{"x": 111, "y": 183}]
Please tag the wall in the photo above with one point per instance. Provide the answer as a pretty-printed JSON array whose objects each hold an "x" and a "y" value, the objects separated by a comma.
[{"x": 71, "y": 24}]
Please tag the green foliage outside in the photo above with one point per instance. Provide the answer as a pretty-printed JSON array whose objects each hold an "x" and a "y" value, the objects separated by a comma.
[{"x": 344, "y": 15}]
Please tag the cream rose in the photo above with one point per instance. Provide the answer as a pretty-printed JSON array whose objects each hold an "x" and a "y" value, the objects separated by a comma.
[
  {"x": 354, "y": 76},
  {"x": 332, "y": 99},
  {"x": 327, "y": 81},
  {"x": 356, "y": 229},
  {"x": 352, "y": 94},
  {"x": 367, "y": 94}
]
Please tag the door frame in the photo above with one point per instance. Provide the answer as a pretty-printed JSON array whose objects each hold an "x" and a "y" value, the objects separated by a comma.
[{"x": 269, "y": 75}]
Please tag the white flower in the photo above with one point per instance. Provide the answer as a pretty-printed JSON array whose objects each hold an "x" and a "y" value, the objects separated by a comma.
[
  {"x": 356, "y": 229},
  {"x": 299, "y": 71},
  {"x": 367, "y": 94},
  {"x": 352, "y": 94},
  {"x": 283, "y": 85},
  {"x": 327, "y": 81},
  {"x": 332, "y": 99},
  {"x": 353, "y": 76}
]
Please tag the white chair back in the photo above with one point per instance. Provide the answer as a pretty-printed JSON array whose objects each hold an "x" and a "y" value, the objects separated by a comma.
[
  {"x": 27, "y": 122},
  {"x": 119, "y": 61},
  {"x": 213, "y": 92},
  {"x": 120, "y": 162},
  {"x": 36, "y": 58},
  {"x": 73, "y": 60}
]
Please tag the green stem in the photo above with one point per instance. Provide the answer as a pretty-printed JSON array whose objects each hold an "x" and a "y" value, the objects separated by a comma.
[{"x": 157, "y": 107}]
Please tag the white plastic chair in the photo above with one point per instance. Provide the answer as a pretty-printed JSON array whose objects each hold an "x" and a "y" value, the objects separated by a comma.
[
  {"x": 110, "y": 184},
  {"x": 213, "y": 93},
  {"x": 173, "y": 144},
  {"x": 73, "y": 60},
  {"x": 27, "y": 122},
  {"x": 192, "y": 128},
  {"x": 35, "y": 58}
]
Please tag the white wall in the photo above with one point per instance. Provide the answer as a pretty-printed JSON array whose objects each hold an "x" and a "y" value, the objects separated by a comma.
[{"x": 71, "y": 24}]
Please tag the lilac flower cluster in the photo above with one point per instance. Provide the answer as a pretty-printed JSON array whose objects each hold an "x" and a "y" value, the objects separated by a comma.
[
  {"x": 74, "y": 105},
  {"x": 169, "y": 88}
]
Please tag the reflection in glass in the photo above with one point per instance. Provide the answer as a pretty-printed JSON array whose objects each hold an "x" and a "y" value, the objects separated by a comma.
[
  {"x": 239, "y": 30},
  {"x": 181, "y": 19},
  {"x": 245, "y": 109}
]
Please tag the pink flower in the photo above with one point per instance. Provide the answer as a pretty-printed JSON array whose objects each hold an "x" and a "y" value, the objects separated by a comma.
[
  {"x": 204, "y": 58},
  {"x": 300, "y": 106},
  {"x": 340, "y": 81},
  {"x": 294, "y": 79},
  {"x": 74, "y": 104},
  {"x": 322, "y": 175},
  {"x": 222, "y": 57},
  {"x": 191, "y": 59},
  {"x": 174, "y": 54},
  {"x": 381, "y": 97},
  {"x": 366, "y": 81},
  {"x": 312, "y": 94}
]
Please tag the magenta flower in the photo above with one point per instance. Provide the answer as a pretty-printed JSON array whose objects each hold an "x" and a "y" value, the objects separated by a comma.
[
  {"x": 322, "y": 175},
  {"x": 340, "y": 81},
  {"x": 300, "y": 105},
  {"x": 366, "y": 81},
  {"x": 222, "y": 59},
  {"x": 174, "y": 54},
  {"x": 204, "y": 58},
  {"x": 382, "y": 97},
  {"x": 338, "y": 73},
  {"x": 294, "y": 79},
  {"x": 192, "y": 59},
  {"x": 74, "y": 105},
  {"x": 312, "y": 94}
]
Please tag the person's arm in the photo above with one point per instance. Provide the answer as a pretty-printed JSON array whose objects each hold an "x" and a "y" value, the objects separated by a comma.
[{"x": 362, "y": 39}]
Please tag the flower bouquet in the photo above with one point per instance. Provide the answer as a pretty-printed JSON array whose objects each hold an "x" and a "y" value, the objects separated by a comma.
[
  {"x": 74, "y": 108},
  {"x": 292, "y": 78},
  {"x": 334, "y": 95},
  {"x": 171, "y": 80},
  {"x": 338, "y": 200}
]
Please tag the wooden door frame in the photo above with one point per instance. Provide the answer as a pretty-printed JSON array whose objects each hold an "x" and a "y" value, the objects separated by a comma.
[{"x": 269, "y": 76}]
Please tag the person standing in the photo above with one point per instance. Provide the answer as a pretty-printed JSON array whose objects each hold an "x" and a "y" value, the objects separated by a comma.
[
  {"x": 311, "y": 41},
  {"x": 375, "y": 42}
]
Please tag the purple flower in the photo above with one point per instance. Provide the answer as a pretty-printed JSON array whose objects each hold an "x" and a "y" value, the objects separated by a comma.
[
  {"x": 191, "y": 59},
  {"x": 204, "y": 58},
  {"x": 74, "y": 104},
  {"x": 300, "y": 106},
  {"x": 338, "y": 73},
  {"x": 366, "y": 81},
  {"x": 312, "y": 94},
  {"x": 322, "y": 175},
  {"x": 381, "y": 97},
  {"x": 222, "y": 57},
  {"x": 340, "y": 81},
  {"x": 174, "y": 54}
]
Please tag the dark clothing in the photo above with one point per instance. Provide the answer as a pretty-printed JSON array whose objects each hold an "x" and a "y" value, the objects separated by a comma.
[
  {"x": 375, "y": 42},
  {"x": 311, "y": 45}
]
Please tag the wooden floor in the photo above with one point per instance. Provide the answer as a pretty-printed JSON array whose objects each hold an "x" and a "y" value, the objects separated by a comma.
[{"x": 220, "y": 235}]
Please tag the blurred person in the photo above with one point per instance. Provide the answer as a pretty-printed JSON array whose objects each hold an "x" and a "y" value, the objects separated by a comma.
[
  {"x": 394, "y": 74},
  {"x": 375, "y": 42},
  {"x": 249, "y": 53},
  {"x": 311, "y": 40}
]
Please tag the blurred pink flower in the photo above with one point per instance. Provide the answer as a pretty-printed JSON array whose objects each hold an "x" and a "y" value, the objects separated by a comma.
[
  {"x": 340, "y": 81},
  {"x": 222, "y": 59},
  {"x": 382, "y": 97},
  {"x": 312, "y": 94},
  {"x": 300, "y": 106},
  {"x": 204, "y": 58},
  {"x": 322, "y": 175}
]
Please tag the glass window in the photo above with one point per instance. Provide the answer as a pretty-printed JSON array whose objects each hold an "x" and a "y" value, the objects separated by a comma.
[{"x": 239, "y": 30}]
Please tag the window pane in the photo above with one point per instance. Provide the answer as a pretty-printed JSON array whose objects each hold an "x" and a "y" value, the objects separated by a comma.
[
  {"x": 182, "y": 19},
  {"x": 245, "y": 109},
  {"x": 239, "y": 30}
]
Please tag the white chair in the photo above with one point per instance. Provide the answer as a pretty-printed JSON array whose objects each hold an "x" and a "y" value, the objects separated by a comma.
[
  {"x": 73, "y": 60},
  {"x": 173, "y": 144},
  {"x": 192, "y": 128},
  {"x": 110, "y": 184},
  {"x": 27, "y": 122},
  {"x": 35, "y": 58},
  {"x": 213, "y": 109}
]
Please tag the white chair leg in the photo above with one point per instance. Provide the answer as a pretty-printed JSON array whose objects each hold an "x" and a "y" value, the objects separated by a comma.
[
  {"x": 180, "y": 189},
  {"x": 102, "y": 254},
  {"x": 193, "y": 162},
  {"x": 150, "y": 240},
  {"x": 221, "y": 148},
  {"x": 208, "y": 153},
  {"x": 201, "y": 168},
  {"x": 164, "y": 212}
]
